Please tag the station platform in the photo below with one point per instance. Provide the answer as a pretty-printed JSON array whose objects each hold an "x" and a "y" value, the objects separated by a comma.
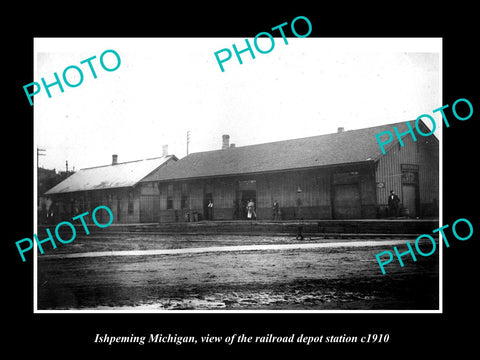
[{"x": 365, "y": 228}]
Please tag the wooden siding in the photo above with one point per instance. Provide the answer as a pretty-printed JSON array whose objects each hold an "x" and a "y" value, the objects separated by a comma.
[
  {"x": 68, "y": 205},
  {"x": 313, "y": 202},
  {"x": 425, "y": 153}
]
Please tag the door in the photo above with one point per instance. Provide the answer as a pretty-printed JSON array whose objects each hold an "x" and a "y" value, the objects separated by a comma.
[
  {"x": 346, "y": 202},
  {"x": 247, "y": 190},
  {"x": 409, "y": 194},
  {"x": 149, "y": 208},
  {"x": 119, "y": 208}
]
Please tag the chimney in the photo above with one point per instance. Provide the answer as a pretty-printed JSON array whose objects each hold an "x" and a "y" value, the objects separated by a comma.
[
  {"x": 232, "y": 146},
  {"x": 340, "y": 129},
  {"x": 114, "y": 159},
  {"x": 226, "y": 140},
  {"x": 164, "y": 150}
]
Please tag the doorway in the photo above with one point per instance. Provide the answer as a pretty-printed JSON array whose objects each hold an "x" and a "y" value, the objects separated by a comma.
[
  {"x": 410, "y": 191},
  {"x": 346, "y": 202},
  {"x": 119, "y": 208},
  {"x": 247, "y": 190},
  {"x": 409, "y": 194}
]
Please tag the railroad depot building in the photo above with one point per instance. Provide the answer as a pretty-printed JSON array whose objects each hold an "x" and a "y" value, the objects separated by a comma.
[
  {"x": 343, "y": 175},
  {"x": 115, "y": 185}
]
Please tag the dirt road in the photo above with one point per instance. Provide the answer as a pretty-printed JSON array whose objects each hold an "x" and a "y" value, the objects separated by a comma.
[{"x": 323, "y": 278}]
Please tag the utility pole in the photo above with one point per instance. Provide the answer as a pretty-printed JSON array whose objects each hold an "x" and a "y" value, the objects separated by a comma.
[
  {"x": 188, "y": 140},
  {"x": 39, "y": 153}
]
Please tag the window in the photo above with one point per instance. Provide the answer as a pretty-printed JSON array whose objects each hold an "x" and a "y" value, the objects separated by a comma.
[
  {"x": 184, "y": 195},
  {"x": 184, "y": 201},
  {"x": 170, "y": 196}
]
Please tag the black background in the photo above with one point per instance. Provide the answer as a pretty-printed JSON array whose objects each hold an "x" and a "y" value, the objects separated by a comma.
[{"x": 60, "y": 335}]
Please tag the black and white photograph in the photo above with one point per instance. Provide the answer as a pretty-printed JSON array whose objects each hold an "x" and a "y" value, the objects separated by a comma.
[
  {"x": 228, "y": 180},
  {"x": 256, "y": 186}
]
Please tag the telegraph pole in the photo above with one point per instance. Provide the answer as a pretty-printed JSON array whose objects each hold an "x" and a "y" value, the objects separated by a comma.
[{"x": 39, "y": 153}]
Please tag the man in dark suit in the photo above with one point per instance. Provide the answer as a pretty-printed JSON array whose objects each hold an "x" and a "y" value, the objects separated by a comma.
[{"x": 393, "y": 204}]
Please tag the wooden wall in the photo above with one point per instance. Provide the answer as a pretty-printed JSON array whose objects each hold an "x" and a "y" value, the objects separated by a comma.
[
  {"x": 315, "y": 201},
  {"x": 425, "y": 154},
  {"x": 69, "y": 205}
]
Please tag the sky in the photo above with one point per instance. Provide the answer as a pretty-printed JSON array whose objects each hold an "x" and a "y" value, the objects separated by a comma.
[{"x": 165, "y": 87}]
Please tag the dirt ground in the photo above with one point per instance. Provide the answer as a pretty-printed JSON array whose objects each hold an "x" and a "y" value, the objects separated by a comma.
[{"x": 296, "y": 279}]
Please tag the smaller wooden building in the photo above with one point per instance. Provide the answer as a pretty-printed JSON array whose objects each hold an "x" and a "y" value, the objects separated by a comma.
[{"x": 115, "y": 185}]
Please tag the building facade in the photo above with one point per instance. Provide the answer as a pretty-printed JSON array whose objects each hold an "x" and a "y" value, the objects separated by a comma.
[
  {"x": 334, "y": 176},
  {"x": 115, "y": 185}
]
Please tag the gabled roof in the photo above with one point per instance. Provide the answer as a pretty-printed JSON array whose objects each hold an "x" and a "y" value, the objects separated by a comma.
[
  {"x": 110, "y": 176},
  {"x": 351, "y": 146}
]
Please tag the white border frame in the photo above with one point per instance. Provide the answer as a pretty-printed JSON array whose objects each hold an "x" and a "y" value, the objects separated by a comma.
[{"x": 412, "y": 44}]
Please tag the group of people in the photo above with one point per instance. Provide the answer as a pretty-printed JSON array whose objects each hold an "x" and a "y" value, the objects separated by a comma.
[
  {"x": 393, "y": 208},
  {"x": 251, "y": 214}
]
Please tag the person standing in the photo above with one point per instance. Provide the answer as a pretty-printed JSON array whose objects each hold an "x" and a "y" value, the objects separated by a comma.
[
  {"x": 299, "y": 233},
  {"x": 275, "y": 210},
  {"x": 393, "y": 204},
  {"x": 251, "y": 210},
  {"x": 236, "y": 209},
  {"x": 210, "y": 210}
]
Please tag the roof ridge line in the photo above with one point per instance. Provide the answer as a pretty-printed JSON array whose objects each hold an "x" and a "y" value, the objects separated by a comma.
[
  {"x": 301, "y": 138},
  {"x": 125, "y": 162}
]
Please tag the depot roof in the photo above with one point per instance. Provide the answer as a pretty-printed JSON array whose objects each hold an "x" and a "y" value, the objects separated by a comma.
[
  {"x": 110, "y": 176},
  {"x": 344, "y": 147}
]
